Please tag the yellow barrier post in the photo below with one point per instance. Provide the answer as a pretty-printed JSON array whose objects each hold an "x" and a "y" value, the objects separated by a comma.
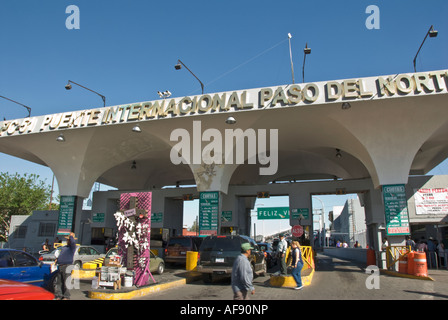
[{"x": 192, "y": 260}]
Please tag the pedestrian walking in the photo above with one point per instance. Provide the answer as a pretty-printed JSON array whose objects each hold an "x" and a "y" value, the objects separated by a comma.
[
  {"x": 64, "y": 263},
  {"x": 242, "y": 275},
  {"x": 281, "y": 251},
  {"x": 297, "y": 264}
]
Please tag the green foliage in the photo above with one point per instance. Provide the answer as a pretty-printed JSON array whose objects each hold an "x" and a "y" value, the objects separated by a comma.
[{"x": 20, "y": 195}]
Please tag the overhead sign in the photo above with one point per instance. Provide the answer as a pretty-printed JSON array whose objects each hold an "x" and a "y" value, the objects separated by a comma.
[
  {"x": 273, "y": 213},
  {"x": 208, "y": 210},
  {"x": 156, "y": 217},
  {"x": 422, "y": 83},
  {"x": 396, "y": 209},
  {"x": 226, "y": 216},
  {"x": 300, "y": 213},
  {"x": 98, "y": 217},
  {"x": 431, "y": 201}
]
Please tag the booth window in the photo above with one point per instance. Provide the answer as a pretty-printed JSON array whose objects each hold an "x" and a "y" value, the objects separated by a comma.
[
  {"x": 99, "y": 235},
  {"x": 20, "y": 232},
  {"x": 47, "y": 229}
]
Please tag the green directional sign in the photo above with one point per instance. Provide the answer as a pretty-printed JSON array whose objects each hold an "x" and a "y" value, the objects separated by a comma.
[
  {"x": 273, "y": 213},
  {"x": 300, "y": 213},
  {"x": 98, "y": 217}
]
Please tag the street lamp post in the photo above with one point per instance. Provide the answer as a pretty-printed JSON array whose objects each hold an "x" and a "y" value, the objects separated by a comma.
[
  {"x": 323, "y": 233},
  {"x": 69, "y": 86},
  {"x": 179, "y": 65},
  {"x": 305, "y": 51},
  {"x": 27, "y": 108},
  {"x": 432, "y": 34}
]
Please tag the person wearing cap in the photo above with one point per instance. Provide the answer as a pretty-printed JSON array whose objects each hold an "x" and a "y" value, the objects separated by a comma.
[
  {"x": 64, "y": 262},
  {"x": 242, "y": 274},
  {"x": 281, "y": 248}
]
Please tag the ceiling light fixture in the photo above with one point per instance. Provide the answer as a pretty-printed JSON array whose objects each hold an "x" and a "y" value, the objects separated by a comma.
[
  {"x": 346, "y": 105},
  {"x": 60, "y": 138},
  {"x": 230, "y": 120},
  {"x": 338, "y": 153}
]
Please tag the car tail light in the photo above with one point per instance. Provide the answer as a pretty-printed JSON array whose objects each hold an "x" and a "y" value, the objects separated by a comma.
[{"x": 41, "y": 258}]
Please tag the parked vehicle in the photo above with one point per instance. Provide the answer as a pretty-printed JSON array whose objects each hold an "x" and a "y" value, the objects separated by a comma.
[
  {"x": 177, "y": 247},
  {"x": 218, "y": 253},
  {"x": 20, "y": 266},
  {"x": 156, "y": 264},
  {"x": 83, "y": 254},
  {"x": 14, "y": 290},
  {"x": 268, "y": 253}
]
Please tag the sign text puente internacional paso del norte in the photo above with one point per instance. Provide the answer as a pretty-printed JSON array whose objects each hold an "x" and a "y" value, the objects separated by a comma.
[{"x": 295, "y": 95}]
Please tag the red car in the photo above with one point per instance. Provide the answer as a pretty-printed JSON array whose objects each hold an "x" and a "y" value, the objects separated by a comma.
[{"x": 13, "y": 290}]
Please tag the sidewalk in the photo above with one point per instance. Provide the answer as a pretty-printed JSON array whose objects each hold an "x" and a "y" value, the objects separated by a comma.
[{"x": 171, "y": 278}]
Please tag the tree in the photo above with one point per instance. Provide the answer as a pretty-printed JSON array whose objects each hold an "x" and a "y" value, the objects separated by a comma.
[{"x": 20, "y": 195}]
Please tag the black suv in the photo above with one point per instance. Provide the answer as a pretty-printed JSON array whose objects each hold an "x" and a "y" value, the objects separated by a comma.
[{"x": 217, "y": 254}]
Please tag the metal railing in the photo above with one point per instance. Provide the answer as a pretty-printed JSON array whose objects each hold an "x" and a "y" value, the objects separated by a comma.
[
  {"x": 307, "y": 257},
  {"x": 394, "y": 253}
]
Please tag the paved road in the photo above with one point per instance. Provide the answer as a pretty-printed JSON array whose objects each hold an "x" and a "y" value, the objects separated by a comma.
[{"x": 334, "y": 279}]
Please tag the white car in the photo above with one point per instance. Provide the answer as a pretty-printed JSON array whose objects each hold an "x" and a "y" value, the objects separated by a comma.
[{"x": 83, "y": 254}]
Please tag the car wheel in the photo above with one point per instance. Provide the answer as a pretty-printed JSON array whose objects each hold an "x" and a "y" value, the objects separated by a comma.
[{"x": 161, "y": 268}]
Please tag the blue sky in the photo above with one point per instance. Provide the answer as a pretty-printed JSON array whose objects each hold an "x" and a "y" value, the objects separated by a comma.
[{"x": 126, "y": 50}]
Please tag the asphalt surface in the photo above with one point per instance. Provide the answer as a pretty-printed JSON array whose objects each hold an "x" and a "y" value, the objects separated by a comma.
[{"x": 334, "y": 279}]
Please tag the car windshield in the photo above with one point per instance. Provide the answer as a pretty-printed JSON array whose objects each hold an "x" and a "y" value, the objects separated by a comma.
[
  {"x": 179, "y": 242},
  {"x": 112, "y": 252},
  {"x": 224, "y": 244}
]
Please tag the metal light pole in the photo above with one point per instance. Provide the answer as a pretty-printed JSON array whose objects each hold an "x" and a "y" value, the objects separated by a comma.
[
  {"x": 305, "y": 51},
  {"x": 69, "y": 86},
  {"x": 27, "y": 108},
  {"x": 178, "y": 67},
  {"x": 432, "y": 34},
  {"x": 322, "y": 222},
  {"x": 290, "y": 57}
]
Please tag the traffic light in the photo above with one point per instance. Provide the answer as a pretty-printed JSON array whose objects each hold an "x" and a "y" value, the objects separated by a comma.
[{"x": 263, "y": 194}]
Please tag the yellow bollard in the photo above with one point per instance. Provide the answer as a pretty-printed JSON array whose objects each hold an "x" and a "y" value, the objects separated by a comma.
[{"x": 192, "y": 260}]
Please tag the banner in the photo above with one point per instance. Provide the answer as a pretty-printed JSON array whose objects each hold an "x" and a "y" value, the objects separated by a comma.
[{"x": 431, "y": 201}]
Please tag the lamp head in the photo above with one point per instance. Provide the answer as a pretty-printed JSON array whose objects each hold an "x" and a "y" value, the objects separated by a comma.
[
  {"x": 178, "y": 66},
  {"x": 68, "y": 86},
  {"x": 433, "y": 33},
  {"x": 307, "y": 50}
]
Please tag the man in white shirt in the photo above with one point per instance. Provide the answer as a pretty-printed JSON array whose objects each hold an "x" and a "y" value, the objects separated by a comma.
[{"x": 281, "y": 250}]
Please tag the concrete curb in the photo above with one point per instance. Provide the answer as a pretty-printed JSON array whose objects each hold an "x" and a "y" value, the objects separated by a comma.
[
  {"x": 404, "y": 275},
  {"x": 289, "y": 282},
  {"x": 143, "y": 291}
]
